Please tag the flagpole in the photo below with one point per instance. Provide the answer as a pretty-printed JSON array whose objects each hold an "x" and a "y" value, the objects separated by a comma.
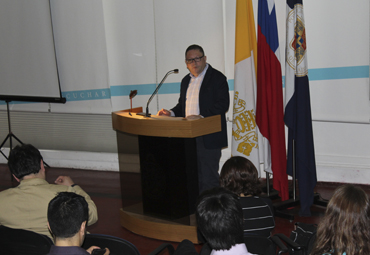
[
  {"x": 268, "y": 184},
  {"x": 294, "y": 173},
  {"x": 297, "y": 115},
  {"x": 292, "y": 202}
]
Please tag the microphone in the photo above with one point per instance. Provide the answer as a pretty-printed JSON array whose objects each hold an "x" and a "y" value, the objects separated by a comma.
[
  {"x": 133, "y": 93},
  {"x": 147, "y": 114}
]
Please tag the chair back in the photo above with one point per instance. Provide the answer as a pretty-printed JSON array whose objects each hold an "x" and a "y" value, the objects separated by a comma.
[
  {"x": 23, "y": 242},
  {"x": 116, "y": 246},
  {"x": 260, "y": 245}
]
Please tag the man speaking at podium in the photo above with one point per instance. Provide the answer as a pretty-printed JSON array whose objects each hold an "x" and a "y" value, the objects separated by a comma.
[{"x": 204, "y": 92}]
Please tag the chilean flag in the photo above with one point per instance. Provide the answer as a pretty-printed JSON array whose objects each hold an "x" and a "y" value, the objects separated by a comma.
[
  {"x": 270, "y": 109},
  {"x": 298, "y": 107}
]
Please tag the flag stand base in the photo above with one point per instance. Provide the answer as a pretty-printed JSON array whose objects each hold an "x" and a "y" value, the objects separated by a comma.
[
  {"x": 279, "y": 207},
  {"x": 283, "y": 205},
  {"x": 274, "y": 195}
]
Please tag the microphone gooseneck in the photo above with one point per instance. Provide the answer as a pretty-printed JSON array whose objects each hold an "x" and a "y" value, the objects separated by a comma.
[{"x": 147, "y": 114}]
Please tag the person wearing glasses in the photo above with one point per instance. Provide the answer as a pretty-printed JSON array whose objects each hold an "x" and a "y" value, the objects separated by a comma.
[{"x": 204, "y": 92}]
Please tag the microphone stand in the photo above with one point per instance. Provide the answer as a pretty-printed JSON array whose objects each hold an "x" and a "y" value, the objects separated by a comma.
[{"x": 147, "y": 114}]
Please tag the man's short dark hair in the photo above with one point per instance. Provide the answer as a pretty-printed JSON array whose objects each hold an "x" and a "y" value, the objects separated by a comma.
[
  {"x": 194, "y": 47},
  {"x": 24, "y": 160},
  {"x": 220, "y": 218},
  {"x": 66, "y": 212}
]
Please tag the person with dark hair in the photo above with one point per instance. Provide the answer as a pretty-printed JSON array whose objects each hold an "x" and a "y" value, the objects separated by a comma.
[
  {"x": 67, "y": 217},
  {"x": 204, "y": 92},
  {"x": 344, "y": 229},
  {"x": 220, "y": 220},
  {"x": 240, "y": 176},
  {"x": 25, "y": 206}
]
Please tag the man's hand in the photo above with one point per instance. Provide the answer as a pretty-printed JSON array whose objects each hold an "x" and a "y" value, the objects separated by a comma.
[
  {"x": 64, "y": 180},
  {"x": 96, "y": 247},
  {"x": 194, "y": 117},
  {"x": 164, "y": 112}
]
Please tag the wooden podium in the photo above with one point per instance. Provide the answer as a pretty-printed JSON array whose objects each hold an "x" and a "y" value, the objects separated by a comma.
[{"x": 169, "y": 175}]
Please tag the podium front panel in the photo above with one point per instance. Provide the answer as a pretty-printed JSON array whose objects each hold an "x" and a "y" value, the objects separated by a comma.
[
  {"x": 169, "y": 176},
  {"x": 168, "y": 162}
]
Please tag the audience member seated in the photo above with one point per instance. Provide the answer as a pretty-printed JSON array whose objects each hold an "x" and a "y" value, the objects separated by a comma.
[
  {"x": 219, "y": 218},
  {"x": 344, "y": 229},
  {"x": 25, "y": 206},
  {"x": 67, "y": 217},
  {"x": 240, "y": 176}
]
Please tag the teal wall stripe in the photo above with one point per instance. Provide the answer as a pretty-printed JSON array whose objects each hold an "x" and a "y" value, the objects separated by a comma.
[
  {"x": 351, "y": 72},
  {"x": 317, "y": 74},
  {"x": 145, "y": 89},
  {"x": 335, "y": 73},
  {"x": 231, "y": 84}
]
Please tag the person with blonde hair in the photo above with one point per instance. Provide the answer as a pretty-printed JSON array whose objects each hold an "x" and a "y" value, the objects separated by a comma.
[{"x": 345, "y": 228}]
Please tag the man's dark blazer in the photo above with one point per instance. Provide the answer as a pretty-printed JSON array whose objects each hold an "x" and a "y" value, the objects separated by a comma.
[{"x": 213, "y": 100}]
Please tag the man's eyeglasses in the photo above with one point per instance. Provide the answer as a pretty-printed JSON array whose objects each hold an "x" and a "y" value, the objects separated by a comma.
[{"x": 191, "y": 60}]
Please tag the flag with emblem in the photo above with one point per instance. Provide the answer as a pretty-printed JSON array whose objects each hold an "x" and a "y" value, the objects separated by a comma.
[
  {"x": 270, "y": 108},
  {"x": 298, "y": 107},
  {"x": 245, "y": 133}
]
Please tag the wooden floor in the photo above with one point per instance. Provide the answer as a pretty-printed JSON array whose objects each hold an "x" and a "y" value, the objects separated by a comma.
[{"x": 105, "y": 190}]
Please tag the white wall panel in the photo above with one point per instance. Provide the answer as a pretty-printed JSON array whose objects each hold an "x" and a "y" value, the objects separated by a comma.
[
  {"x": 82, "y": 55},
  {"x": 129, "y": 27},
  {"x": 182, "y": 23},
  {"x": 147, "y": 38},
  {"x": 344, "y": 100},
  {"x": 338, "y": 36},
  {"x": 337, "y": 33},
  {"x": 179, "y": 24},
  {"x": 130, "y": 41}
]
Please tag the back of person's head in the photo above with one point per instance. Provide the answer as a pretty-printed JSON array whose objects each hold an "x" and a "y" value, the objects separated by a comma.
[
  {"x": 345, "y": 226},
  {"x": 24, "y": 160},
  {"x": 194, "y": 47},
  {"x": 240, "y": 176},
  {"x": 220, "y": 218},
  {"x": 66, "y": 212}
]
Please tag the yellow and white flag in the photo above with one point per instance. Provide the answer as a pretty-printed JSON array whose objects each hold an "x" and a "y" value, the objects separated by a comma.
[{"x": 245, "y": 131}]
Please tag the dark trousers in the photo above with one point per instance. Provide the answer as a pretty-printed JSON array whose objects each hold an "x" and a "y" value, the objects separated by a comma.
[{"x": 208, "y": 164}]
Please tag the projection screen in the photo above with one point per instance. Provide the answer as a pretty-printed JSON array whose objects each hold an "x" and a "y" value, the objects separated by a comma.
[{"x": 28, "y": 64}]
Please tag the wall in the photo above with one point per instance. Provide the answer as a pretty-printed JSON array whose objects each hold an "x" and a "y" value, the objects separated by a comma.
[{"x": 143, "y": 39}]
